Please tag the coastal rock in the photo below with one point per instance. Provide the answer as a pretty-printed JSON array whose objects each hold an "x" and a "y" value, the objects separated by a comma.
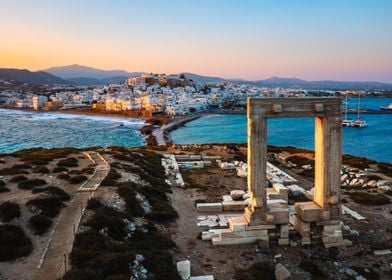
[
  {"x": 344, "y": 177},
  {"x": 372, "y": 183}
]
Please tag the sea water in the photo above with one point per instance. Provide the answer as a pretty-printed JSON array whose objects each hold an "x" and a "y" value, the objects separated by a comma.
[
  {"x": 23, "y": 129},
  {"x": 373, "y": 142}
]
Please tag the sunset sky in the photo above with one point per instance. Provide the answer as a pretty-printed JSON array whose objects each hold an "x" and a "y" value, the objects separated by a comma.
[{"x": 314, "y": 40}]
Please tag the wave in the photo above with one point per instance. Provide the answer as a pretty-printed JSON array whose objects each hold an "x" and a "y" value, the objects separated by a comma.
[{"x": 58, "y": 116}]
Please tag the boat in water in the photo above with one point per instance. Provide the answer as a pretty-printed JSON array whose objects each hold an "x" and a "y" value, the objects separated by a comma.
[
  {"x": 346, "y": 122},
  {"x": 358, "y": 122},
  {"x": 386, "y": 108}
]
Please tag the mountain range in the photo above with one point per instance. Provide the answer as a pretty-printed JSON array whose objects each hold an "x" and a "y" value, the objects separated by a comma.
[{"x": 83, "y": 75}]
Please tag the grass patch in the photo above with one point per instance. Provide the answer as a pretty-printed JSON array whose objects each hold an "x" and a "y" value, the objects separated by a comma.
[
  {"x": 68, "y": 162},
  {"x": 260, "y": 270},
  {"x": 13, "y": 243},
  {"x": 368, "y": 199},
  {"x": 31, "y": 183},
  {"x": 9, "y": 211},
  {"x": 77, "y": 179},
  {"x": 39, "y": 224},
  {"x": 18, "y": 179},
  {"x": 55, "y": 191},
  {"x": 48, "y": 206}
]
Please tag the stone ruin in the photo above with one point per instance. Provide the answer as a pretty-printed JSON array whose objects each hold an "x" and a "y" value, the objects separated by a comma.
[{"x": 263, "y": 218}]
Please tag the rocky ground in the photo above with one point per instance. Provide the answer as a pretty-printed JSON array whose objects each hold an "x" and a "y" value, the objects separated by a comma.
[{"x": 136, "y": 224}]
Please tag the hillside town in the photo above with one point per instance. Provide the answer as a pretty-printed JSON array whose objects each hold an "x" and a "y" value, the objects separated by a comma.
[{"x": 148, "y": 94}]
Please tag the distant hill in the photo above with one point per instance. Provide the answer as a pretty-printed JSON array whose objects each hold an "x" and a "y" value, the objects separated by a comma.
[
  {"x": 76, "y": 71},
  {"x": 92, "y": 81},
  {"x": 84, "y": 75},
  {"x": 203, "y": 79},
  {"x": 26, "y": 76}
]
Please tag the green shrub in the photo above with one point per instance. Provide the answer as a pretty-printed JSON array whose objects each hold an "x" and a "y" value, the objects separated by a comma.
[
  {"x": 53, "y": 191},
  {"x": 49, "y": 206},
  {"x": 369, "y": 199},
  {"x": 21, "y": 166},
  {"x": 31, "y": 183},
  {"x": 63, "y": 176},
  {"x": 13, "y": 243},
  {"x": 59, "y": 169},
  {"x": 113, "y": 223},
  {"x": 4, "y": 189},
  {"x": 39, "y": 224},
  {"x": 9, "y": 211},
  {"x": 41, "y": 169},
  {"x": 18, "y": 179},
  {"x": 68, "y": 162},
  {"x": 127, "y": 192},
  {"x": 43, "y": 155},
  {"x": 77, "y": 179},
  {"x": 12, "y": 171},
  {"x": 111, "y": 178},
  {"x": 93, "y": 203}
]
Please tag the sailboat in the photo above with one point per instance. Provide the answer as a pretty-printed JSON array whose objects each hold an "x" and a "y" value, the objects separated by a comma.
[
  {"x": 359, "y": 122},
  {"x": 346, "y": 122}
]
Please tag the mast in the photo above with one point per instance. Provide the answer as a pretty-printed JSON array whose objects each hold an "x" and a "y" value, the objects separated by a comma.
[
  {"x": 345, "y": 111},
  {"x": 359, "y": 103}
]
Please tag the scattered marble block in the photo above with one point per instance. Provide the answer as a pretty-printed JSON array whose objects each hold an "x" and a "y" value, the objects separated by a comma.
[
  {"x": 283, "y": 241},
  {"x": 280, "y": 215},
  {"x": 303, "y": 228},
  {"x": 308, "y": 211},
  {"x": 206, "y": 277},
  {"x": 184, "y": 269},
  {"x": 332, "y": 236},
  {"x": 281, "y": 190},
  {"x": 237, "y": 224},
  {"x": 277, "y": 203},
  {"x": 234, "y": 205},
  {"x": 281, "y": 272},
  {"x": 227, "y": 198},
  {"x": 284, "y": 231},
  {"x": 209, "y": 207}
]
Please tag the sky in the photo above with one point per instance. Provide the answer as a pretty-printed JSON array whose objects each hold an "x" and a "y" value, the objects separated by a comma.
[{"x": 249, "y": 39}]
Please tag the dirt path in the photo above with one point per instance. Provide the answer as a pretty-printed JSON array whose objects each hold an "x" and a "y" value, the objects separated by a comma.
[{"x": 53, "y": 261}]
